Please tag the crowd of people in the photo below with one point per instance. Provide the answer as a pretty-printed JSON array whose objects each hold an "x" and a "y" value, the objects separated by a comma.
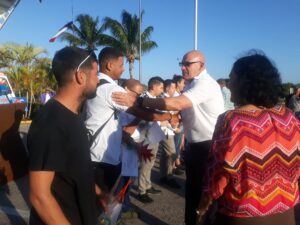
[{"x": 239, "y": 146}]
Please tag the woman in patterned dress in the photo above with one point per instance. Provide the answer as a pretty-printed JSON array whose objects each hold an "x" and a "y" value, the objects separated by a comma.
[{"x": 254, "y": 162}]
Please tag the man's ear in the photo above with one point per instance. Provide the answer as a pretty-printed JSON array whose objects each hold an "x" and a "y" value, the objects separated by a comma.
[
  {"x": 109, "y": 66},
  {"x": 80, "y": 77}
]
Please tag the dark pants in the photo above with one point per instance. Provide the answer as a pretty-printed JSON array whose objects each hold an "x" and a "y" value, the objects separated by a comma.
[
  {"x": 196, "y": 156},
  {"x": 106, "y": 175},
  {"x": 286, "y": 218}
]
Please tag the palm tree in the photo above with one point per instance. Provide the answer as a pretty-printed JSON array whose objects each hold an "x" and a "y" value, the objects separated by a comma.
[
  {"x": 88, "y": 35},
  {"x": 26, "y": 69},
  {"x": 125, "y": 36}
]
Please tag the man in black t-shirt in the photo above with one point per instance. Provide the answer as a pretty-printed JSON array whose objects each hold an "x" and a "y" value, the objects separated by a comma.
[{"x": 62, "y": 189}]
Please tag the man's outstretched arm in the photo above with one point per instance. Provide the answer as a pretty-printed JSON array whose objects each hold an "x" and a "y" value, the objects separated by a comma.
[
  {"x": 171, "y": 104},
  {"x": 42, "y": 200}
]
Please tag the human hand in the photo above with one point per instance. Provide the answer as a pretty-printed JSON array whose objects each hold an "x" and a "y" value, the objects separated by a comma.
[
  {"x": 124, "y": 98},
  {"x": 97, "y": 190},
  {"x": 164, "y": 123},
  {"x": 200, "y": 220},
  {"x": 174, "y": 121},
  {"x": 104, "y": 199},
  {"x": 177, "y": 130}
]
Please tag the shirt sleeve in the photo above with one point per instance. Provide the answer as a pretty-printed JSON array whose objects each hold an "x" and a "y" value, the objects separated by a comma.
[
  {"x": 217, "y": 178},
  {"x": 200, "y": 92},
  {"x": 114, "y": 104},
  {"x": 47, "y": 149}
]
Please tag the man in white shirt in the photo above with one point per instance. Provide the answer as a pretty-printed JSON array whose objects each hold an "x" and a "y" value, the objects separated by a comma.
[
  {"x": 179, "y": 136},
  {"x": 200, "y": 104},
  {"x": 167, "y": 146},
  {"x": 145, "y": 187},
  {"x": 103, "y": 123}
]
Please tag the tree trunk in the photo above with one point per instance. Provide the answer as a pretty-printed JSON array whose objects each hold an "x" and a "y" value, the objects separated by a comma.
[{"x": 130, "y": 69}]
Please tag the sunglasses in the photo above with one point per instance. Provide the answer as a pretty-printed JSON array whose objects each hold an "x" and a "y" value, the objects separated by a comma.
[
  {"x": 85, "y": 59},
  {"x": 187, "y": 64}
]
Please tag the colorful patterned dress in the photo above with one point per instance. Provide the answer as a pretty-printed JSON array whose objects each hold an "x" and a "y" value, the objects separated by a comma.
[{"x": 254, "y": 163}]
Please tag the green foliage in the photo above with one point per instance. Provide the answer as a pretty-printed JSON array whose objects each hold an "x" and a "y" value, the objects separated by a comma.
[
  {"x": 88, "y": 35},
  {"x": 28, "y": 71},
  {"x": 125, "y": 36},
  {"x": 122, "y": 35}
]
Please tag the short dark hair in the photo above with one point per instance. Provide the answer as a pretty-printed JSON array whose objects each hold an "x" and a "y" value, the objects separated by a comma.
[
  {"x": 257, "y": 81},
  {"x": 167, "y": 83},
  {"x": 67, "y": 60},
  {"x": 177, "y": 78},
  {"x": 108, "y": 53},
  {"x": 154, "y": 81},
  {"x": 221, "y": 81}
]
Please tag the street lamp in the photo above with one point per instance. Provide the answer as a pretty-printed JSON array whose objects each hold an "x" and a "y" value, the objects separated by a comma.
[{"x": 196, "y": 25}]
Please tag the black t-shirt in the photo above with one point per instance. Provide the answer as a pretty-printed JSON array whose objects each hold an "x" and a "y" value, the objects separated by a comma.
[{"x": 57, "y": 141}]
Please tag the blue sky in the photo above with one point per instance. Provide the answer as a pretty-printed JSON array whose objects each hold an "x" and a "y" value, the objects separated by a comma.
[{"x": 226, "y": 30}]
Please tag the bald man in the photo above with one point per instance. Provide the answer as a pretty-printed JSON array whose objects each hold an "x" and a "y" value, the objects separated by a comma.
[
  {"x": 200, "y": 104},
  {"x": 134, "y": 86}
]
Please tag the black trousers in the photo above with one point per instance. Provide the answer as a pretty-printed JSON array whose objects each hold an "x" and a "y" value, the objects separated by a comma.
[
  {"x": 196, "y": 156},
  {"x": 286, "y": 218},
  {"x": 106, "y": 175}
]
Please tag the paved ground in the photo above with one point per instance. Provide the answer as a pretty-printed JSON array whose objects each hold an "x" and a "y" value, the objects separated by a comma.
[{"x": 167, "y": 208}]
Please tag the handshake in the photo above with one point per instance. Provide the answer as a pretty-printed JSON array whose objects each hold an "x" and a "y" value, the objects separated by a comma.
[{"x": 145, "y": 108}]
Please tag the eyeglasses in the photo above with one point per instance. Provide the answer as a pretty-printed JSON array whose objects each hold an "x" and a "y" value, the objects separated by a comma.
[
  {"x": 138, "y": 94},
  {"x": 187, "y": 64},
  {"x": 85, "y": 59}
]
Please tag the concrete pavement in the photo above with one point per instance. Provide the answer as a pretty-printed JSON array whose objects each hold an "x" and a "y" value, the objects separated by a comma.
[{"x": 167, "y": 208}]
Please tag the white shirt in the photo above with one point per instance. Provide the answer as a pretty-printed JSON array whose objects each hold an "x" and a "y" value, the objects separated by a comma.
[
  {"x": 199, "y": 121},
  {"x": 168, "y": 130},
  {"x": 107, "y": 145},
  {"x": 47, "y": 97},
  {"x": 227, "y": 98},
  {"x": 176, "y": 94}
]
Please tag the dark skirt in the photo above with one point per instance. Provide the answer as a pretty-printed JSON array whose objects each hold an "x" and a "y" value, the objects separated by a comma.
[{"x": 286, "y": 218}]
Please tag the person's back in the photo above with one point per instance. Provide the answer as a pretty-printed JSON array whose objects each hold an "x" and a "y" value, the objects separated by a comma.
[
  {"x": 260, "y": 161},
  {"x": 254, "y": 163}
]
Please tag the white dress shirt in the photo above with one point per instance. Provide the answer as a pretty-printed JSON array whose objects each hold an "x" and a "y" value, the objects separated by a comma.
[
  {"x": 199, "y": 121},
  {"x": 107, "y": 145},
  {"x": 227, "y": 98},
  {"x": 168, "y": 130}
]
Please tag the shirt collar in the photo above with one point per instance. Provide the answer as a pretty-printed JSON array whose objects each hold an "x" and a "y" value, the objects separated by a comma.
[
  {"x": 106, "y": 77},
  {"x": 151, "y": 96},
  {"x": 166, "y": 95},
  {"x": 200, "y": 75},
  {"x": 196, "y": 78}
]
